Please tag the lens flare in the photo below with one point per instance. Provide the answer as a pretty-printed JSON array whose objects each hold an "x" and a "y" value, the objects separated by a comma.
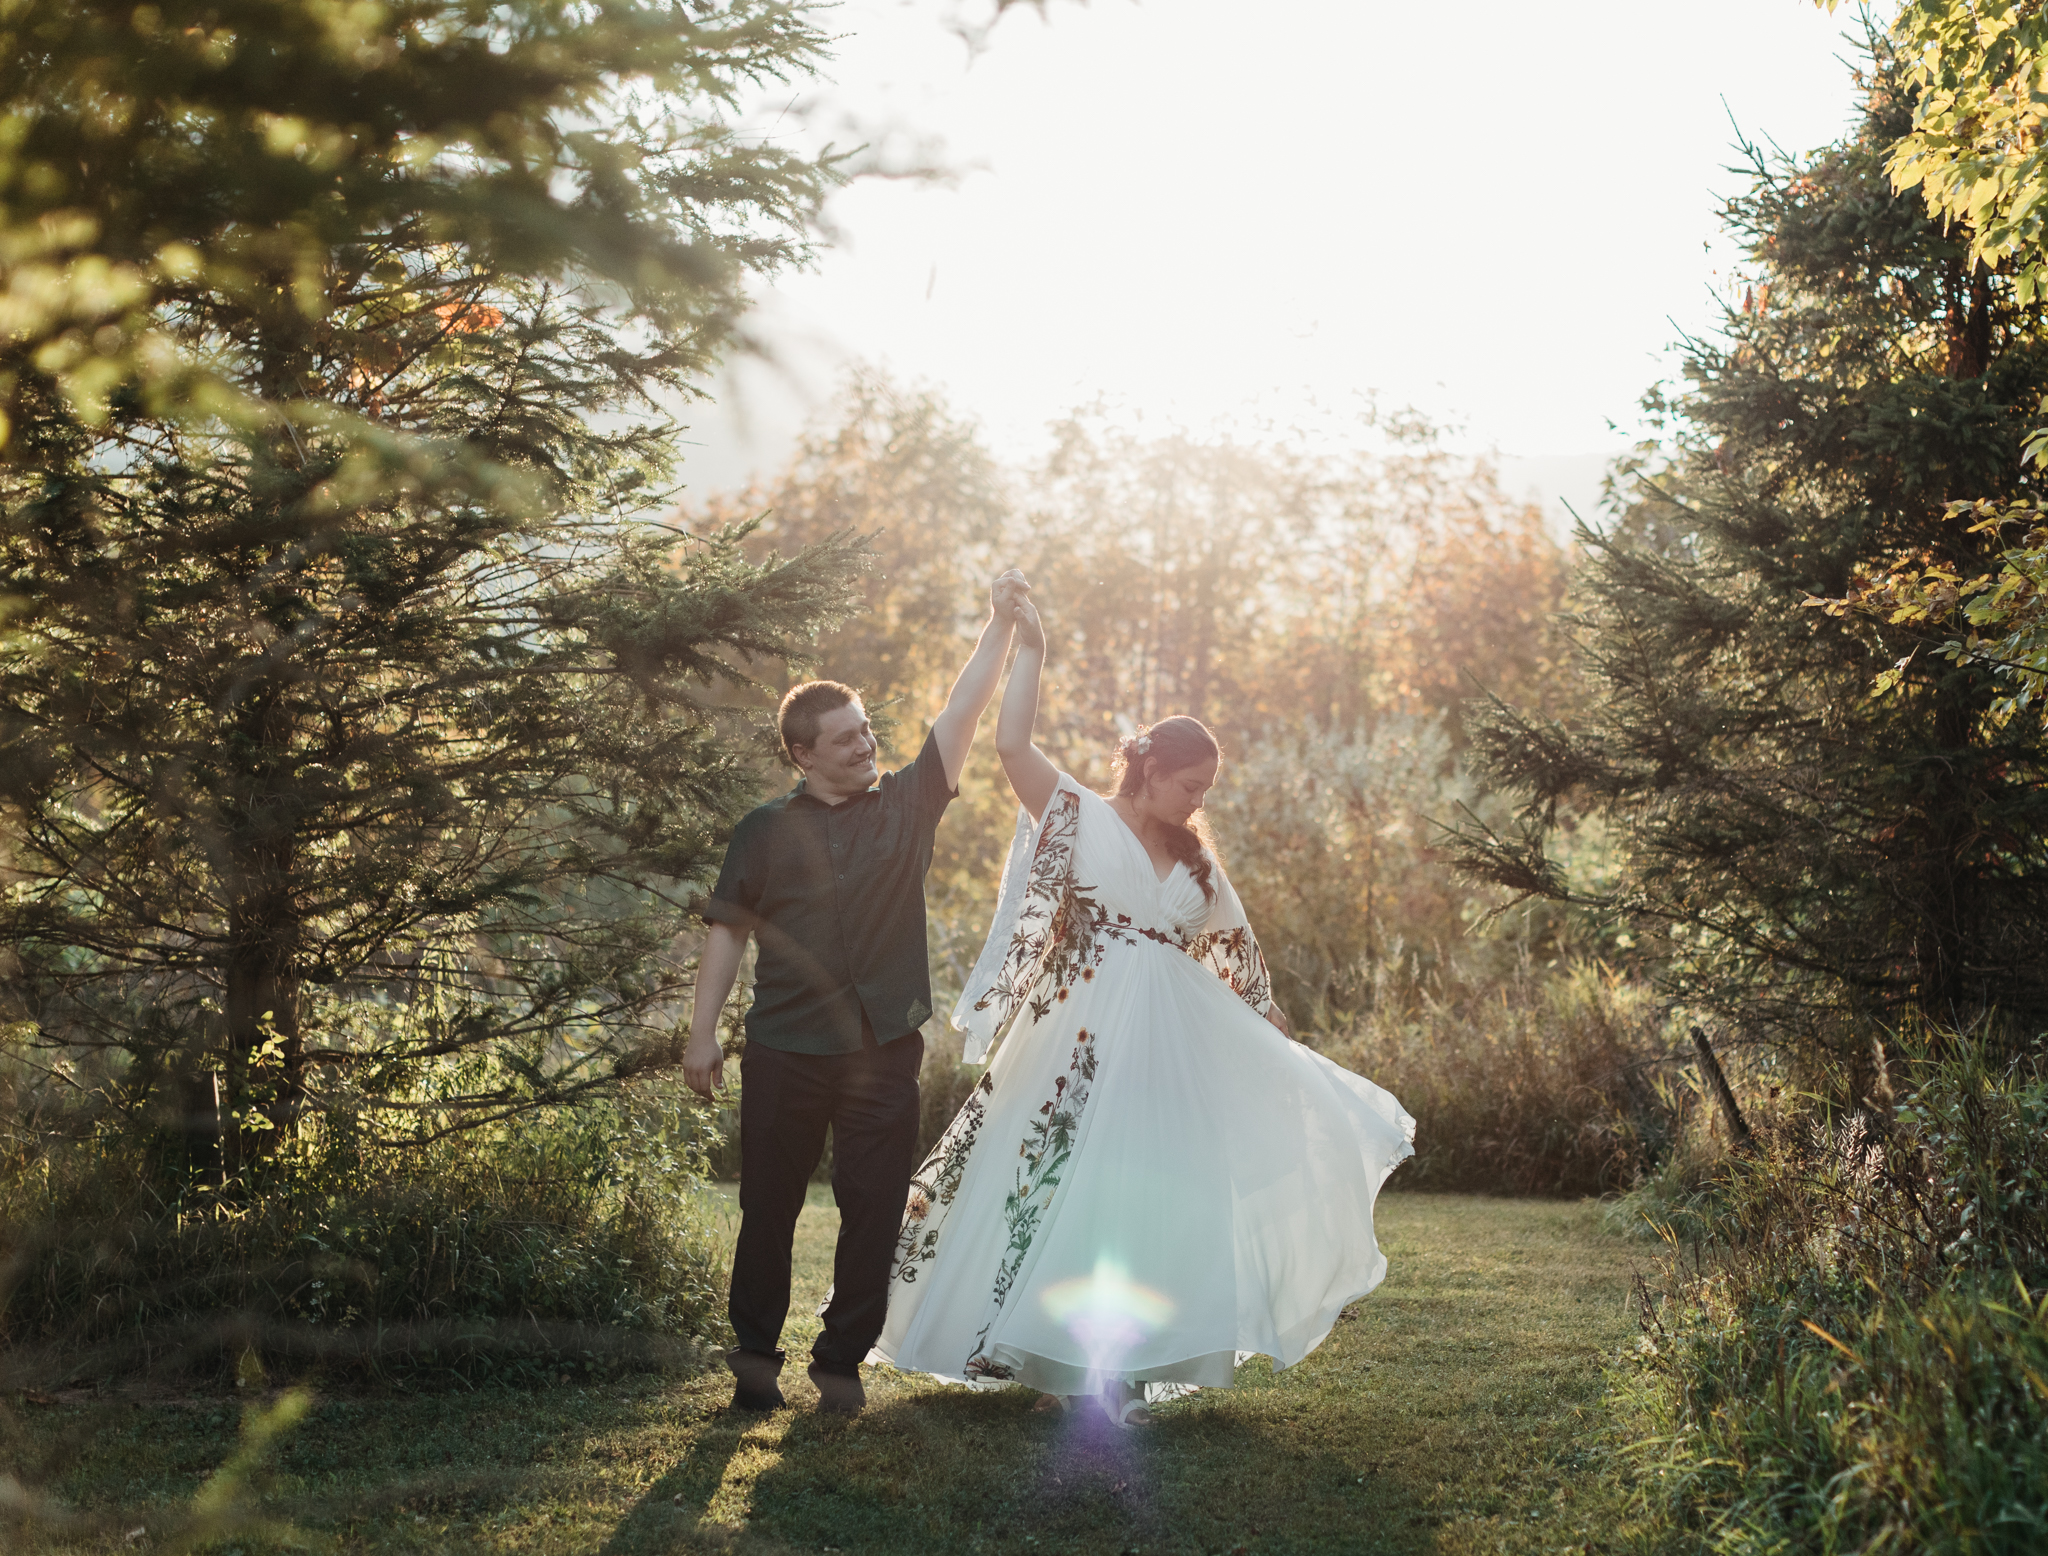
[{"x": 1108, "y": 1314}]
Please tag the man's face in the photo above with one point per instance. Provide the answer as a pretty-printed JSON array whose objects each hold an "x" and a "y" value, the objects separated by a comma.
[{"x": 842, "y": 760}]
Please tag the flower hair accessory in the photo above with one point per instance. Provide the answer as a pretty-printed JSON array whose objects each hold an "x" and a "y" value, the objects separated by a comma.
[{"x": 1142, "y": 745}]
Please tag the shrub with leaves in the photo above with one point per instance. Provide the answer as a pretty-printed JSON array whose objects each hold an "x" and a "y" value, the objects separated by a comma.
[{"x": 574, "y": 1241}]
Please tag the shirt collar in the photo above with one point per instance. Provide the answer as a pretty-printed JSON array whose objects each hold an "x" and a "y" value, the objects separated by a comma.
[{"x": 802, "y": 794}]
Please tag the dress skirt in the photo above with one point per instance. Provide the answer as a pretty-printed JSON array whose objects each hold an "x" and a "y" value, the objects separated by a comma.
[{"x": 1150, "y": 1183}]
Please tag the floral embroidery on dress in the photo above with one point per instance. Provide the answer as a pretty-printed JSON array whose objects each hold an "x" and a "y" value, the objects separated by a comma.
[
  {"x": 1234, "y": 955},
  {"x": 1045, "y": 892},
  {"x": 934, "y": 1184},
  {"x": 1046, "y": 1147},
  {"x": 1082, "y": 931},
  {"x": 1062, "y": 931}
]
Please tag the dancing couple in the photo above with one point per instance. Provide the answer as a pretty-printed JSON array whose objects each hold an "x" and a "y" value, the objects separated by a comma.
[{"x": 1150, "y": 1181}]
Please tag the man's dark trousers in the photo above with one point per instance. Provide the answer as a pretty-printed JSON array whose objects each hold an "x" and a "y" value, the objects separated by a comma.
[{"x": 870, "y": 1100}]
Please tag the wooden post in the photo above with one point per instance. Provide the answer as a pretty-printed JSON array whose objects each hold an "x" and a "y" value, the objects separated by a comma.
[{"x": 1724, "y": 1094}]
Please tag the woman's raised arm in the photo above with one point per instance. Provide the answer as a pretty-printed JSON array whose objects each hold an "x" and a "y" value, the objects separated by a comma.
[{"x": 1031, "y": 773}]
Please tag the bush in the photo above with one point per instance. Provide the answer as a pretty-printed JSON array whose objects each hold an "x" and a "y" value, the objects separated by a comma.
[
  {"x": 1858, "y": 1359},
  {"x": 1550, "y": 1082},
  {"x": 573, "y": 1240}
]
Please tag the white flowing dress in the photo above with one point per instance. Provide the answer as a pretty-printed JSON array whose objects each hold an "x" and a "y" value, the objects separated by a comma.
[{"x": 1150, "y": 1182}]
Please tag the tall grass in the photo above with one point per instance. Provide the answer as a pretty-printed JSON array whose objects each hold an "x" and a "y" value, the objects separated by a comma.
[
  {"x": 1855, "y": 1356},
  {"x": 1551, "y": 1081}
]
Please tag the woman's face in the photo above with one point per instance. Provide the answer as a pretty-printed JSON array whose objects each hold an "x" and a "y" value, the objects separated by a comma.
[{"x": 1177, "y": 795}]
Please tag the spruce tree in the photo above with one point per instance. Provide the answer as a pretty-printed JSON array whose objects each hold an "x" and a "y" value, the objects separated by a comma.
[
  {"x": 1807, "y": 849},
  {"x": 360, "y": 731}
]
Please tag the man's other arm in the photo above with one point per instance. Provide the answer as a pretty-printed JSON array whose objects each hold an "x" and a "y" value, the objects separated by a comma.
[
  {"x": 704, "y": 1058},
  {"x": 953, "y": 729}
]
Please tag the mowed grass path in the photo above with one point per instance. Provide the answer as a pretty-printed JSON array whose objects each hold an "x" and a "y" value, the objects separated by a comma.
[{"x": 1454, "y": 1410}]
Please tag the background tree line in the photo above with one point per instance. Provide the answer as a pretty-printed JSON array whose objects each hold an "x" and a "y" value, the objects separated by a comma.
[{"x": 1327, "y": 603}]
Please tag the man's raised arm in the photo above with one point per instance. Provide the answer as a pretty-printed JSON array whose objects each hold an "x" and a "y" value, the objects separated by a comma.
[{"x": 954, "y": 728}]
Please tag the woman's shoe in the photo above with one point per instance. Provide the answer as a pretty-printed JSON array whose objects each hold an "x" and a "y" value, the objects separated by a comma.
[
  {"x": 1124, "y": 1404},
  {"x": 1058, "y": 1404}
]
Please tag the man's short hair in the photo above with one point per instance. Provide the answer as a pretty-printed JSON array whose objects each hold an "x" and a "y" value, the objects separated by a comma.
[{"x": 802, "y": 706}]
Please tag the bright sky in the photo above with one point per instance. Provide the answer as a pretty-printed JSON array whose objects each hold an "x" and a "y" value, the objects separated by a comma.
[{"x": 1498, "y": 211}]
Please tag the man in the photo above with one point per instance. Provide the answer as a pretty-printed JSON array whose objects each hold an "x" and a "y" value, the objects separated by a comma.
[{"x": 830, "y": 877}]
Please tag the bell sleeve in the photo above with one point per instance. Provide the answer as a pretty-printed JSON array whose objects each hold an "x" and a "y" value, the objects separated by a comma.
[
  {"x": 1228, "y": 948},
  {"x": 1037, "y": 879}
]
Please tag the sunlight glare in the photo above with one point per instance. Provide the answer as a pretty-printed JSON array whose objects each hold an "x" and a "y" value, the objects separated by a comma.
[{"x": 1108, "y": 1314}]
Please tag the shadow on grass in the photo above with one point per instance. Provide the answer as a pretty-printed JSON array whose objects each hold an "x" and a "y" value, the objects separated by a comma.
[
  {"x": 682, "y": 1501},
  {"x": 955, "y": 1471}
]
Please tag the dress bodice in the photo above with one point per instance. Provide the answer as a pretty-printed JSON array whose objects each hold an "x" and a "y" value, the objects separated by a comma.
[
  {"x": 1111, "y": 858},
  {"x": 1077, "y": 882}
]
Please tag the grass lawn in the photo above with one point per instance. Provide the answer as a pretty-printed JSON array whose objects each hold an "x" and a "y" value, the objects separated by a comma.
[{"x": 1454, "y": 1410}]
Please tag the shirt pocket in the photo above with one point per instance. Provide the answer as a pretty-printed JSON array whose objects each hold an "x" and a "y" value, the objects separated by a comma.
[
  {"x": 802, "y": 863},
  {"x": 887, "y": 833}
]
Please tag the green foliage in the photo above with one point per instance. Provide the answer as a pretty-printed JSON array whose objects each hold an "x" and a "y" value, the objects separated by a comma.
[
  {"x": 353, "y": 714},
  {"x": 2003, "y": 611},
  {"x": 220, "y": 213},
  {"x": 1857, "y": 1358},
  {"x": 1977, "y": 70},
  {"x": 1975, "y": 149},
  {"x": 1795, "y": 847},
  {"x": 575, "y": 1242}
]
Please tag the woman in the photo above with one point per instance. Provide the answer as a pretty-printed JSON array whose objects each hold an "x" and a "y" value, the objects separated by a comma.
[{"x": 1151, "y": 1180}]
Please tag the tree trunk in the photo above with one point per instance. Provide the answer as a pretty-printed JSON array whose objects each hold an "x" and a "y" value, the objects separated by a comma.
[
  {"x": 1968, "y": 306},
  {"x": 1942, "y": 928},
  {"x": 260, "y": 968}
]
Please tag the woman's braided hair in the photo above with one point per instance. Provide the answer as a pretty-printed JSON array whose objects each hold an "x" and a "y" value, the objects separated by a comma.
[{"x": 1167, "y": 747}]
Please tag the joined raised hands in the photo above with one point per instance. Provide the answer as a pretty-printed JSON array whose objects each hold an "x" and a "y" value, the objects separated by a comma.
[
  {"x": 1010, "y": 600},
  {"x": 1010, "y": 587},
  {"x": 1030, "y": 630}
]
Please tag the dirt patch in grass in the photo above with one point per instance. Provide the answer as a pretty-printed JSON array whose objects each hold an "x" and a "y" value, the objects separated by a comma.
[{"x": 1455, "y": 1410}]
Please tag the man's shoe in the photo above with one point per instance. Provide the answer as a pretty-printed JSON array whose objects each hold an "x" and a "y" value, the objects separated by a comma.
[
  {"x": 839, "y": 1392},
  {"x": 756, "y": 1373}
]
